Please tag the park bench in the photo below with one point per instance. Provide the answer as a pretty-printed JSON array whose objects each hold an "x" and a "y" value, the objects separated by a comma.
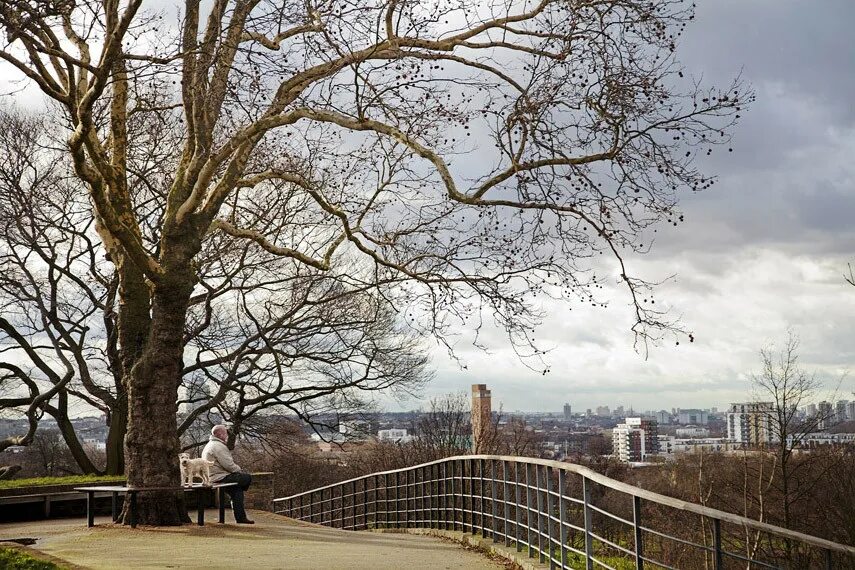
[
  {"x": 114, "y": 490},
  {"x": 44, "y": 498}
]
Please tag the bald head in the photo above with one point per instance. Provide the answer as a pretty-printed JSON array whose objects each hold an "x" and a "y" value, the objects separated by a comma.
[{"x": 220, "y": 432}]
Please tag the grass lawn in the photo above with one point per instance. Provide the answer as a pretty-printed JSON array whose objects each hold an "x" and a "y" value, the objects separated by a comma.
[
  {"x": 14, "y": 559},
  {"x": 69, "y": 480}
]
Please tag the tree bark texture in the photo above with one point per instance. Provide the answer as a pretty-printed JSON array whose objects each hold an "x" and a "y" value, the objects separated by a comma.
[{"x": 151, "y": 442}]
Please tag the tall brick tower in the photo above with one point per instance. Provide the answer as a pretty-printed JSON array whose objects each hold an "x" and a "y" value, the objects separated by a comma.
[{"x": 481, "y": 415}]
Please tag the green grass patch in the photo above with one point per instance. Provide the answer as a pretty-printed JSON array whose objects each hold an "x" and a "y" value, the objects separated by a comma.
[
  {"x": 69, "y": 480},
  {"x": 14, "y": 559}
]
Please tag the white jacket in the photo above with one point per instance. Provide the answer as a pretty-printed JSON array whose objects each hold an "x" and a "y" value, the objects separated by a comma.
[{"x": 216, "y": 451}]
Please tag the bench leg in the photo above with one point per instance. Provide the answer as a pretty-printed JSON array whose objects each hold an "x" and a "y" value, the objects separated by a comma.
[
  {"x": 200, "y": 508},
  {"x": 222, "y": 492},
  {"x": 115, "y": 506},
  {"x": 133, "y": 509},
  {"x": 47, "y": 506},
  {"x": 90, "y": 508}
]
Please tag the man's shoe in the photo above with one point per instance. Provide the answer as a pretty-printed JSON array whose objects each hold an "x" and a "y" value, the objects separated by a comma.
[{"x": 245, "y": 521}]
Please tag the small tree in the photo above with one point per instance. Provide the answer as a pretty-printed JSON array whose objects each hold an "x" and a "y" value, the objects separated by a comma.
[{"x": 789, "y": 388}]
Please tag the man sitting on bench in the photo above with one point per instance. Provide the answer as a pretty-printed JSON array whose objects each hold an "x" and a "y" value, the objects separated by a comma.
[{"x": 225, "y": 470}]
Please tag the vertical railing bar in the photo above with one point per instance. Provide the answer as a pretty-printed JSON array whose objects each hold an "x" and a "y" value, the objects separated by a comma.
[
  {"x": 376, "y": 502},
  {"x": 589, "y": 546},
  {"x": 465, "y": 482},
  {"x": 528, "y": 502},
  {"x": 407, "y": 499},
  {"x": 506, "y": 506},
  {"x": 718, "y": 558},
  {"x": 397, "y": 499},
  {"x": 518, "y": 497},
  {"x": 549, "y": 509},
  {"x": 453, "y": 498},
  {"x": 494, "y": 499},
  {"x": 312, "y": 507},
  {"x": 829, "y": 559},
  {"x": 353, "y": 505},
  {"x": 445, "y": 520},
  {"x": 483, "y": 497},
  {"x": 636, "y": 526},
  {"x": 562, "y": 516},
  {"x": 539, "y": 482}
]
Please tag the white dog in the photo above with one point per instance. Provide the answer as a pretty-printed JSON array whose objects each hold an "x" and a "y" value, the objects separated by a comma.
[{"x": 191, "y": 468}]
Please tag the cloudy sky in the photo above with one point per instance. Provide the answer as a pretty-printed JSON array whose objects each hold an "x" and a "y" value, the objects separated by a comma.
[{"x": 764, "y": 250}]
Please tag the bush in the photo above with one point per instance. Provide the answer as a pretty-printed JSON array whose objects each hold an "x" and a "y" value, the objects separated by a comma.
[{"x": 14, "y": 559}]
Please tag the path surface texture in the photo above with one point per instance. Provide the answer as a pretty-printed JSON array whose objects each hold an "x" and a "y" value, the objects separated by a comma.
[{"x": 273, "y": 542}]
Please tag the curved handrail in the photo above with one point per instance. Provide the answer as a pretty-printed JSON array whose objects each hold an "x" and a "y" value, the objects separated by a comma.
[{"x": 617, "y": 486}]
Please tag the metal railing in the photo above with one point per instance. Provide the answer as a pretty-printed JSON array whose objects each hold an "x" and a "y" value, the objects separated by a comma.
[{"x": 566, "y": 515}]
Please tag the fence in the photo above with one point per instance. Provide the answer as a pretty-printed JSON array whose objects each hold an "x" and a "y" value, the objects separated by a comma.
[{"x": 566, "y": 515}]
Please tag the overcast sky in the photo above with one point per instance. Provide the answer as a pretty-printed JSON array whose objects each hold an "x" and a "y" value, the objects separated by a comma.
[{"x": 763, "y": 250}]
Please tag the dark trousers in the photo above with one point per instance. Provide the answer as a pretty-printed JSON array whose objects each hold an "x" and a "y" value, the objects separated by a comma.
[{"x": 243, "y": 481}]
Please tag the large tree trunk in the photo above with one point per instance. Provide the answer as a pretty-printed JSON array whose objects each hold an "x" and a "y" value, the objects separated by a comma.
[{"x": 151, "y": 442}]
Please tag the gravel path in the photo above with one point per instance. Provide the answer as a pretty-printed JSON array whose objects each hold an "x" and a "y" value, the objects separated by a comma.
[{"x": 273, "y": 542}]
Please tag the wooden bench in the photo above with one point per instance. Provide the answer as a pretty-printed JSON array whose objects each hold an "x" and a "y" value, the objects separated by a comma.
[{"x": 114, "y": 490}]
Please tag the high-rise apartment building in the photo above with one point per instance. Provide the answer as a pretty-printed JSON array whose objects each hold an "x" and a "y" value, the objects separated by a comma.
[
  {"x": 750, "y": 423},
  {"x": 568, "y": 414},
  {"x": 603, "y": 411},
  {"x": 693, "y": 417},
  {"x": 850, "y": 411},
  {"x": 635, "y": 439}
]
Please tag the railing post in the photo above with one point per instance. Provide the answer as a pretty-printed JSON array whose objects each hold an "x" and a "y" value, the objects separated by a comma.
[
  {"x": 636, "y": 526},
  {"x": 397, "y": 499},
  {"x": 589, "y": 545},
  {"x": 376, "y": 502},
  {"x": 829, "y": 559},
  {"x": 550, "y": 507},
  {"x": 506, "y": 509},
  {"x": 562, "y": 516},
  {"x": 528, "y": 502},
  {"x": 353, "y": 505},
  {"x": 444, "y": 481},
  {"x": 386, "y": 506},
  {"x": 312, "y": 507},
  {"x": 494, "y": 500},
  {"x": 718, "y": 558},
  {"x": 465, "y": 465},
  {"x": 483, "y": 496},
  {"x": 518, "y": 496},
  {"x": 539, "y": 482},
  {"x": 365, "y": 503}
]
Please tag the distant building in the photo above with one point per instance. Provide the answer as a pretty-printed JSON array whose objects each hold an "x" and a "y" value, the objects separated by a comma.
[
  {"x": 663, "y": 417},
  {"x": 692, "y": 417},
  {"x": 635, "y": 439},
  {"x": 750, "y": 423},
  {"x": 603, "y": 411},
  {"x": 850, "y": 411},
  {"x": 482, "y": 413},
  {"x": 692, "y": 432},
  {"x": 810, "y": 410},
  {"x": 826, "y": 414},
  {"x": 840, "y": 411},
  {"x": 675, "y": 446},
  {"x": 568, "y": 414},
  {"x": 395, "y": 434}
]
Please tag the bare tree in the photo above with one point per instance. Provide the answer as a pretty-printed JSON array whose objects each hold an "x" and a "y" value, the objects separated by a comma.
[
  {"x": 789, "y": 388},
  {"x": 584, "y": 137},
  {"x": 282, "y": 337}
]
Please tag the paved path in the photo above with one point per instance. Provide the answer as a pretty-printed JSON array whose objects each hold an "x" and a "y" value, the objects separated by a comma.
[{"x": 273, "y": 542}]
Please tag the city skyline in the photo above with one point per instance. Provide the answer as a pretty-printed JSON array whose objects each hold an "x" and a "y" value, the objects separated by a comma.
[{"x": 763, "y": 250}]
